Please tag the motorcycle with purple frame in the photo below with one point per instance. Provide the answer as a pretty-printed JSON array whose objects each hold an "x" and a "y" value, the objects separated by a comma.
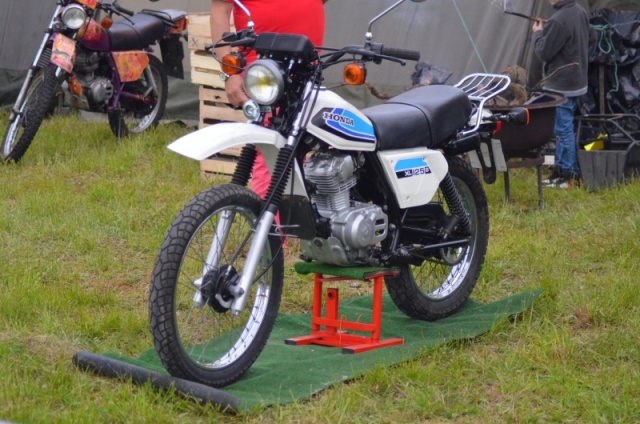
[{"x": 88, "y": 61}]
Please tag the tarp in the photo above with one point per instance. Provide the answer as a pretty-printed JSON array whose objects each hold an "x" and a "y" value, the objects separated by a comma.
[
  {"x": 460, "y": 36},
  {"x": 614, "y": 71}
]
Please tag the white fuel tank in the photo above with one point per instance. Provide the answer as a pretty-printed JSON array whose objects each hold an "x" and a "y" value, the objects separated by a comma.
[{"x": 340, "y": 124}]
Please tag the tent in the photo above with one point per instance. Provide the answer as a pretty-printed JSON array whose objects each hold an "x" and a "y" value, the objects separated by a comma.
[{"x": 459, "y": 36}]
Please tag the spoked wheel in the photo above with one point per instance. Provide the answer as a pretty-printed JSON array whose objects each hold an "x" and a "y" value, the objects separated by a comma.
[
  {"x": 35, "y": 107},
  {"x": 136, "y": 116},
  {"x": 441, "y": 284},
  {"x": 196, "y": 335}
]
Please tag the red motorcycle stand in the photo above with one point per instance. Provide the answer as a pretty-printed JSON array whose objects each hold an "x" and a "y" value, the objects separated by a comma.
[{"x": 335, "y": 332}]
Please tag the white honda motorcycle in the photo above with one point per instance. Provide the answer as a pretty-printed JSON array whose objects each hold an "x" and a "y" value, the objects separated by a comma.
[{"x": 383, "y": 186}]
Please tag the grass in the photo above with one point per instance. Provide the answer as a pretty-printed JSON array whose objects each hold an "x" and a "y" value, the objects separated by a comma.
[{"x": 83, "y": 217}]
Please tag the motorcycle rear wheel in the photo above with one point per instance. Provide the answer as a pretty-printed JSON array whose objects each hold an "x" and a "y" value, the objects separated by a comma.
[
  {"x": 128, "y": 121},
  {"x": 436, "y": 288},
  {"x": 36, "y": 106},
  {"x": 205, "y": 342}
]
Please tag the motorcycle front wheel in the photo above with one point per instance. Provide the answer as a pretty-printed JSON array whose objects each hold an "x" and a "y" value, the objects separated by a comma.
[
  {"x": 194, "y": 332},
  {"x": 440, "y": 285},
  {"x": 136, "y": 116},
  {"x": 34, "y": 109}
]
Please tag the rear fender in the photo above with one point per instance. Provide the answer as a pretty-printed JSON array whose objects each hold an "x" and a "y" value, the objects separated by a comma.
[
  {"x": 204, "y": 143},
  {"x": 172, "y": 56}
]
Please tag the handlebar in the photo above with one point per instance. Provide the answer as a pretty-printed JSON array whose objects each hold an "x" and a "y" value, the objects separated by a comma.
[
  {"x": 400, "y": 53},
  {"x": 374, "y": 52},
  {"x": 123, "y": 10},
  {"x": 116, "y": 8}
]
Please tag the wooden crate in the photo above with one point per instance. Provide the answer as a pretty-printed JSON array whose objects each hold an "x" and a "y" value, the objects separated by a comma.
[
  {"x": 216, "y": 165},
  {"x": 214, "y": 104},
  {"x": 199, "y": 31},
  {"x": 215, "y": 107},
  {"x": 205, "y": 70}
]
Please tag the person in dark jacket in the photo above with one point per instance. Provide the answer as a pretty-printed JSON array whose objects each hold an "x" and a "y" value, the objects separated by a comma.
[{"x": 562, "y": 44}]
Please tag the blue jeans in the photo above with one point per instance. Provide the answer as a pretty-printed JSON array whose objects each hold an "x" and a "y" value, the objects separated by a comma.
[{"x": 566, "y": 150}]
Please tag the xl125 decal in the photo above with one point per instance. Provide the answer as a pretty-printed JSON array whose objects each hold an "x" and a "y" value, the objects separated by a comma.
[
  {"x": 345, "y": 124},
  {"x": 406, "y": 168}
]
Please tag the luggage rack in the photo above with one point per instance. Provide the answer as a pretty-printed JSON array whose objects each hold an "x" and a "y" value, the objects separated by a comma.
[{"x": 480, "y": 88}]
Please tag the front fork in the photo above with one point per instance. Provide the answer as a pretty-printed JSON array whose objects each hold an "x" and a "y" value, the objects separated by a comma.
[
  {"x": 18, "y": 106},
  {"x": 214, "y": 255},
  {"x": 240, "y": 290},
  {"x": 279, "y": 179}
]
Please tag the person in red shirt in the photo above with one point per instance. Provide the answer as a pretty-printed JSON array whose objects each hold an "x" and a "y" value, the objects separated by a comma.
[{"x": 282, "y": 16}]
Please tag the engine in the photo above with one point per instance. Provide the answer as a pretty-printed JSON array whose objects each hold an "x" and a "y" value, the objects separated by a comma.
[
  {"x": 91, "y": 91},
  {"x": 355, "y": 227}
]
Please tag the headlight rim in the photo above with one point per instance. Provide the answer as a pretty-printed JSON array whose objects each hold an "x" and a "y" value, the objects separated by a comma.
[
  {"x": 73, "y": 8},
  {"x": 278, "y": 77}
]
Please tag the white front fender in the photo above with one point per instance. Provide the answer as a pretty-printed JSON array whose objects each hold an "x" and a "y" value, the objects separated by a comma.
[
  {"x": 204, "y": 143},
  {"x": 201, "y": 144}
]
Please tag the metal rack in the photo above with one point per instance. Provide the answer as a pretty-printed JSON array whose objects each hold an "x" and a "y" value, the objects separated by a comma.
[{"x": 480, "y": 88}]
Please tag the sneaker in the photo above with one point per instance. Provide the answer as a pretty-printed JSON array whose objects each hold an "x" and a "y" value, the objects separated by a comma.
[
  {"x": 566, "y": 183},
  {"x": 555, "y": 176}
]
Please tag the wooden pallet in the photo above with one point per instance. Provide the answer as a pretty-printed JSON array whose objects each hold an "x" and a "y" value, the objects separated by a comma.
[
  {"x": 215, "y": 107},
  {"x": 205, "y": 70},
  {"x": 199, "y": 31},
  {"x": 214, "y": 104},
  {"x": 212, "y": 168}
]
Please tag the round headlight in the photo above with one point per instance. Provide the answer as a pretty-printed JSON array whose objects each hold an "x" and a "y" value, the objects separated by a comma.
[
  {"x": 73, "y": 16},
  {"x": 264, "y": 81}
]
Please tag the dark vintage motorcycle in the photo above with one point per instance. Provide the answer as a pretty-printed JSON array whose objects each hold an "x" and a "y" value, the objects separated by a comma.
[
  {"x": 383, "y": 186},
  {"x": 89, "y": 62}
]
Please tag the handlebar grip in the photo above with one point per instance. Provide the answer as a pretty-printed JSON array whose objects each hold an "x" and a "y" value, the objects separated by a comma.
[
  {"x": 401, "y": 53},
  {"x": 123, "y": 10}
]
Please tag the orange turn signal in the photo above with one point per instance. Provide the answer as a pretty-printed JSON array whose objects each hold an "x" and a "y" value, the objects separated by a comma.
[
  {"x": 232, "y": 63},
  {"x": 106, "y": 23},
  {"x": 354, "y": 74},
  {"x": 181, "y": 26}
]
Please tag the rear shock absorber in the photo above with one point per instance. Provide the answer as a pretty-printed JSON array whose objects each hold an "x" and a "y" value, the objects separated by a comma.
[{"x": 455, "y": 204}]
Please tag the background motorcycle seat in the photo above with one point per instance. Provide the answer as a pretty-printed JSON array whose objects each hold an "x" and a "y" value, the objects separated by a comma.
[{"x": 136, "y": 33}]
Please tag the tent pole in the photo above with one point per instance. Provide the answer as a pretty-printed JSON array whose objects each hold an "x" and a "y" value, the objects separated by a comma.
[{"x": 525, "y": 58}]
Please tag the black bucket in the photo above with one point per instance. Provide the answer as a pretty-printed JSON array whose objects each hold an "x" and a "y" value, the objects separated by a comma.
[{"x": 526, "y": 141}]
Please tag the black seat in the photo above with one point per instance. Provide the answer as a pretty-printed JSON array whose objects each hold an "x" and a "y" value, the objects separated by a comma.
[
  {"x": 136, "y": 33},
  {"x": 421, "y": 117}
]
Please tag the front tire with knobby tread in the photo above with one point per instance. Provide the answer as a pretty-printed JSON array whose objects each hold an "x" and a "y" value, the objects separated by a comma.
[
  {"x": 207, "y": 343},
  {"x": 38, "y": 102}
]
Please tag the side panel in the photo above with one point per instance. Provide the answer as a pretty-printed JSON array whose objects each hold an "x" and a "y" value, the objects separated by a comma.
[
  {"x": 340, "y": 124},
  {"x": 131, "y": 64},
  {"x": 414, "y": 174}
]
